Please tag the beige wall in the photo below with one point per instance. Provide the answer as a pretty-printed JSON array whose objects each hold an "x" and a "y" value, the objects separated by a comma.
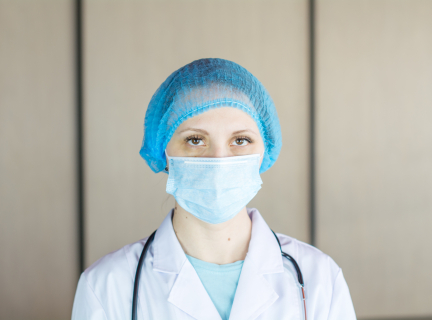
[
  {"x": 374, "y": 105},
  {"x": 38, "y": 260},
  {"x": 131, "y": 47}
]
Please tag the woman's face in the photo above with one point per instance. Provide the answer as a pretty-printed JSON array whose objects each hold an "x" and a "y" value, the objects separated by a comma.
[{"x": 221, "y": 132}]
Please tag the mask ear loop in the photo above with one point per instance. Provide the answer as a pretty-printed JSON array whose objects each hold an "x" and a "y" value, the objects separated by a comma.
[
  {"x": 261, "y": 158},
  {"x": 166, "y": 167}
]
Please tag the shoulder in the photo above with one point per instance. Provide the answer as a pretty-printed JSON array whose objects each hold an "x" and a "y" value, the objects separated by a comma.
[
  {"x": 105, "y": 288},
  {"x": 116, "y": 269},
  {"x": 311, "y": 260}
]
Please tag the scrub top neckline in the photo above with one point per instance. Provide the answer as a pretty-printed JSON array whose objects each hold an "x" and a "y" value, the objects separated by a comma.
[{"x": 229, "y": 267}]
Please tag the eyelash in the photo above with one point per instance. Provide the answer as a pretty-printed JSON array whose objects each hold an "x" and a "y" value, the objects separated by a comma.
[
  {"x": 194, "y": 137},
  {"x": 187, "y": 139},
  {"x": 243, "y": 138}
]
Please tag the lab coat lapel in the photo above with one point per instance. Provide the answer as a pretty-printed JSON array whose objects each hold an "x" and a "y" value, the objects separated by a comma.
[
  {"x": 187, "y": 292},
  {"x": 189, "y": 295},
  {"x": 254, "y": 294}
]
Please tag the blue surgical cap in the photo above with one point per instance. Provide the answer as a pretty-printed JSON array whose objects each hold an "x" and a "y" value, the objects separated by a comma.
[{"x": 200, "y": 86}]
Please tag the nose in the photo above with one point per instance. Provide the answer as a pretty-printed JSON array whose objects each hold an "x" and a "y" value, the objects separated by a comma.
[{"x": 219, "y": 150}]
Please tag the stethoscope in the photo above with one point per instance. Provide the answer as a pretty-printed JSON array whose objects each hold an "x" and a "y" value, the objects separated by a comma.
[{"x": 150, "y": 240}]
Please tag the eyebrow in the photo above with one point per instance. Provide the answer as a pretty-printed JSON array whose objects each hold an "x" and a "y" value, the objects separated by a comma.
[
  {"x": 194, "y": 129},
  {"x": 242, "y": 131},
  {"x": 205, "y": 132}
]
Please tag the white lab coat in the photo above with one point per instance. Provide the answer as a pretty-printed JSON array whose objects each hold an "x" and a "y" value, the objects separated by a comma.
[{"x": 171, "y": 289}]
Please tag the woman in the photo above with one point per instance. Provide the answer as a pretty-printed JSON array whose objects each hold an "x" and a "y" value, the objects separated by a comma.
[{"x": 213, "y": 128}]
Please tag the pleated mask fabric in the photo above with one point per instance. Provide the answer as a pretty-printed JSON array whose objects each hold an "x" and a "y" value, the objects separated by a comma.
[{"x": 214, "y": 189}]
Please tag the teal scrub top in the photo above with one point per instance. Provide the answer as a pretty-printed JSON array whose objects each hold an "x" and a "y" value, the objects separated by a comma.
[{"x": 220, "y": 282}]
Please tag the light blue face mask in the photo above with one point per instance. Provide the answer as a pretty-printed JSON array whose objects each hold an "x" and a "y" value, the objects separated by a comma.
[{"x": 214, "y": 189}]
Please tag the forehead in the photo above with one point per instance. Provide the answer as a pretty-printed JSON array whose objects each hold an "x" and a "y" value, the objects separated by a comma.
[{"x": 220, "y": 121}]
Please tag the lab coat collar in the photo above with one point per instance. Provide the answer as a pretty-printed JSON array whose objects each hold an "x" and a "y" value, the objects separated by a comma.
[
  {"x": 188, "y": 293},
  {"x": 169, "y": 256},
  {"x": 263, "y": 247},
  {"x": 254, "y": 294}
]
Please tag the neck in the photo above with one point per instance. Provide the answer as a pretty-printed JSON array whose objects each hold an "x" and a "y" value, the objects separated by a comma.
[{"x": 221, "y": 243}]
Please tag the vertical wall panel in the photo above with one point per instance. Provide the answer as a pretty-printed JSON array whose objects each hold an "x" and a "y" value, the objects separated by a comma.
[
  {"x": 38, "y": 264},
  {"x": 131, "y": 47},
  {"x": 374, "y": 109}
]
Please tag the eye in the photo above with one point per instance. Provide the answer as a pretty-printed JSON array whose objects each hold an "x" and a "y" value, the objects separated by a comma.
[
  {"x": 241, "y": 141},
  {"x": 195, "y": 141}
]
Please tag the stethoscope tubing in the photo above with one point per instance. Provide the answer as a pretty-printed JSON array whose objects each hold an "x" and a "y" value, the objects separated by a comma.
[
  {"x": 150, "y": 240},
  {"x": 138, "y": 275},
  {"x": 299, "y": 273}
]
